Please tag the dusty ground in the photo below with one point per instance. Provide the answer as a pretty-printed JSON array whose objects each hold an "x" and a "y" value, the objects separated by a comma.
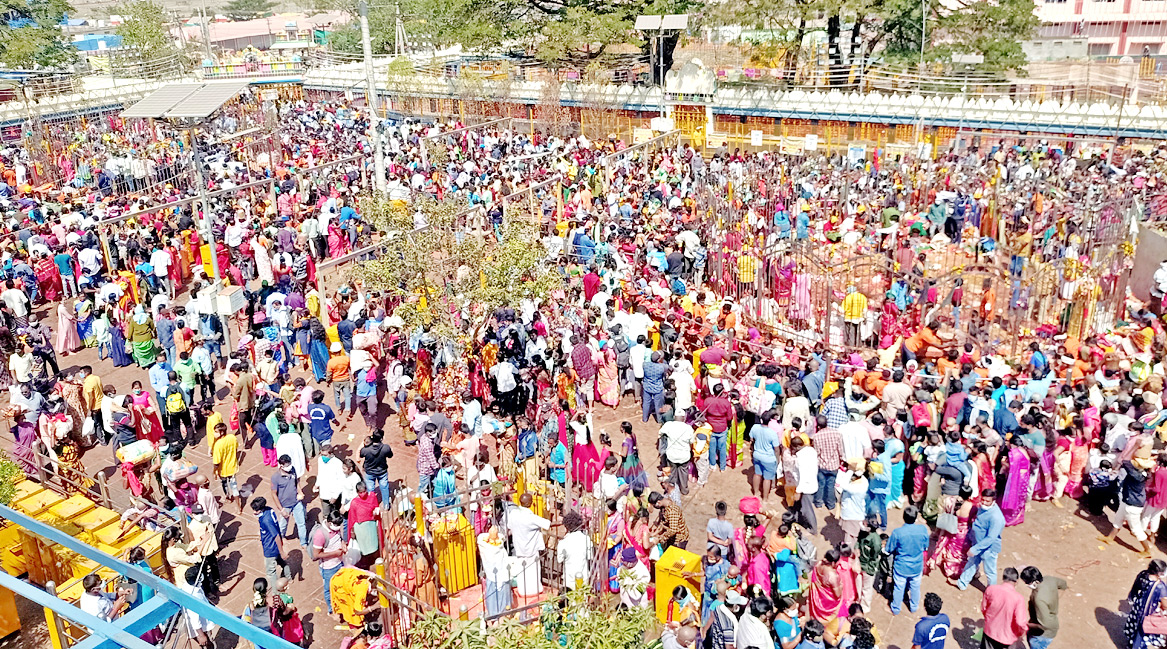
[{"x": 1059, "y": 541}]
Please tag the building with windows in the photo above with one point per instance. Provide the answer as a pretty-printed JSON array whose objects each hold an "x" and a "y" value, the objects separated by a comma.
[{"x": 1110, "y": 27}]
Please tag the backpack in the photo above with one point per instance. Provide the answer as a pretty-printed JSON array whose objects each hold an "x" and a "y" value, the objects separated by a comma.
[
  {"x": 921, "y": 415},
  {"x": 623, "y": 355},
  {"x": 317, "y": 529},
  {"x": 175, "y": 402}
]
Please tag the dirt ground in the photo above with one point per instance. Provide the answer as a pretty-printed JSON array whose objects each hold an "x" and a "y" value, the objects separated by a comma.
[{"x": 1059, "y": 541}]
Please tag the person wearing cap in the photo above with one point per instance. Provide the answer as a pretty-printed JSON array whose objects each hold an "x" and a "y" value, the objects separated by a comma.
[
  {"x": 338, "y": 377},
  {"x": 634, "y": 578}
]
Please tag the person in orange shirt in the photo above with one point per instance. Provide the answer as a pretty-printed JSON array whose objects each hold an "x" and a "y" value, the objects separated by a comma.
[
  {"x": 925, "y": 345},
  {"x": 338, "y": 377}
]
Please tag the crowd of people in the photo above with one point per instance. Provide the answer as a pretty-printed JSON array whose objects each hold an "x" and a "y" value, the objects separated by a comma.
[{"x": 701, "y": 321}]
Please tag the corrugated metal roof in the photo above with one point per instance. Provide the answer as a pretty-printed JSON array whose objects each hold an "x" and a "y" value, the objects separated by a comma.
[
  {"x": 186, "y": 100},
  {"x": 207, "y": 100},
  {"x": 161, "y": 100}
]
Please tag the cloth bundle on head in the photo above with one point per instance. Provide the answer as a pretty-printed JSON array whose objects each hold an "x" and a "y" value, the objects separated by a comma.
[{"x": 749, "y": 505}]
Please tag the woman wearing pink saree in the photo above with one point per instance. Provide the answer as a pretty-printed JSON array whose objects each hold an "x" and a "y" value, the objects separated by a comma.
[
  {"x": 824, "y": 598},
  {"x": 337, "y": 241},
  {"x": 1016, "y": 492},
  {"x": 1043, "y": 488},
  {"x": 608, "y": 379},
  {"x": 636, "y": 529}
]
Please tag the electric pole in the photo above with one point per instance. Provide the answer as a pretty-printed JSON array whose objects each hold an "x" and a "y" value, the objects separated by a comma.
[{"x": 371, "y": 101}]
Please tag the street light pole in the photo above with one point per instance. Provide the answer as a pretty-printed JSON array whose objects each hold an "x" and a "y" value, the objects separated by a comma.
[
  {"x": 208, "y": 230},
  {"x": 371, "y": 101}
]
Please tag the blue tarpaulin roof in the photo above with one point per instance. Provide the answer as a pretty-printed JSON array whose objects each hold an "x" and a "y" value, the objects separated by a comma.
[{"x": 90, "y": 42}]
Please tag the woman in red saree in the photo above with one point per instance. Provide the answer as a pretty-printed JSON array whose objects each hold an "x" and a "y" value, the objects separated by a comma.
[
  {"x": 337, "y": 241},
  {"x": 48, "y": 278},
  {"x": 150, "y": 425},
  {"x": 363, "y": 509},
  {"x": 824, "y": 598}
]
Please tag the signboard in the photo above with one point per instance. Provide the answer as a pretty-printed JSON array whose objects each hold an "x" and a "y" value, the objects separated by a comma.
[
  {"x": 641, "y": 135},
  {"x": 715, "y": 141},
  {"x": 924, "y": 150},
  {"x": 348, "y": 95},
  {"x": 755, "y": 138},
  {"x": 857, "y": 153},
  {"x": 810, "y": 142},
  {"x": 662, "y": 124}
]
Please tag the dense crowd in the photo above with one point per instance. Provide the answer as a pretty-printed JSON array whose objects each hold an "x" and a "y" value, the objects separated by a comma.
[{"x": 688, "y": 315}]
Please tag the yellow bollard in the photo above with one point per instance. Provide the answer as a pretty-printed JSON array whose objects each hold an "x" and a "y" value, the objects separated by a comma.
[
  {"x": 419, "y": 512},
  {"x": 379, "y": 567}
]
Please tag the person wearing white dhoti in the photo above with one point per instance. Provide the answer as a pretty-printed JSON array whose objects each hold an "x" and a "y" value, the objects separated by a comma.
[{"x": 526, "y": 529}]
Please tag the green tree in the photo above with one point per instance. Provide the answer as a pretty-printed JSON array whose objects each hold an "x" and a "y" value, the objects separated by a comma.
[
  {"x": 248, "y": 9},
  {"x": 448, "y": 285},
  {"x": 145, "y": 27},
  {"x": 31, "y": 36}
]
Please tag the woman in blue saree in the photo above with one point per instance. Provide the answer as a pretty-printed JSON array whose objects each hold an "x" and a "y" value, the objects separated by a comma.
[{"x": 1148, "y": 596}]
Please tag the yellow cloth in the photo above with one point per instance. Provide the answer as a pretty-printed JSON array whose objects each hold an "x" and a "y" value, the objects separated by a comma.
[
  {"x": 854, "y": 306},
  {"x": 225, "y": 455},
  {"x": 746, "y": 267},
  {"x": 349, "y": 588},
  {"x": 214, "y": 420}
]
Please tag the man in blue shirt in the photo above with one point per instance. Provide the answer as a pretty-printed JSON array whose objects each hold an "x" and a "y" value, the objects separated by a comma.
[
  {"x": 654, "y": 387},
  {"x": 907, "y": 545},
  {"x": 271, "y": 540},
  {"x": 932, "y": 629},
  {"x": 815, "y": 378},
  {"x": 986, "y": 535},
  {"x": 764, "y": 440},
  {"x": 367, "y": 403},
  {"x": 159, "y": 374},
  {"x": 320, "y": 418}
]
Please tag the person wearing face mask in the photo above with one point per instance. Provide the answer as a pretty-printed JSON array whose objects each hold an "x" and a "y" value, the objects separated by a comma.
[
  {"x": 787, "y": 627},
  {"x": 285, "y": 486},
  {"x": 986, "y": 536},
  {"x": 328, "y": 549}
]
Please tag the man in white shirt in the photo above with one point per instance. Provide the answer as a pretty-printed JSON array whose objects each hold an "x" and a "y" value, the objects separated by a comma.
[
  {"x": 677, "y": 441},
  {"x": 573, "y": 553},
  {"x": 636, "y": 357},
  {"x": 526, "y": 529},
  {"x": 638, "y": 324},
  {"x": 856, "y": 441},
  {"x": 160, "y": 260},
  {"x": 96, "y": 602},
  {"x": 496, "y": 566},
  {"x": 683, "y": 381},
  {"x": 806, "y": 461},
  {"x": 16, "y": 300},
  {"x": 853, "y": 504}
]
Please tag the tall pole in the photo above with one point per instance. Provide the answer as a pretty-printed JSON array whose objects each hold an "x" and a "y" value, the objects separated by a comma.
[
  {"x": 923, "y": 33},
  {"x": 206, "y": 31},
  {"x": 208, "y": 229},
  {"x": 371, "y": 101},
  {"x": 660, "y": 57}
]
